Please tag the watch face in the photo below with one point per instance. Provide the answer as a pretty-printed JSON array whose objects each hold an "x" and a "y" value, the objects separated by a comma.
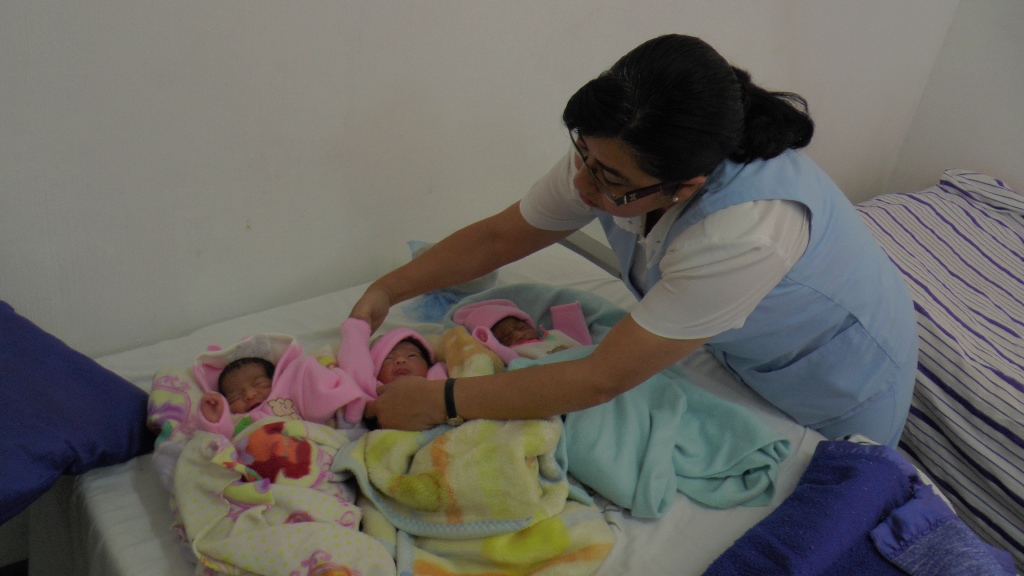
[{"x": 456, "y": 421}]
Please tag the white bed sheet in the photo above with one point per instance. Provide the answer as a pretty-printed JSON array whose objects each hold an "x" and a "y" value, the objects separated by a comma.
[{"x": 115, "y": 521}]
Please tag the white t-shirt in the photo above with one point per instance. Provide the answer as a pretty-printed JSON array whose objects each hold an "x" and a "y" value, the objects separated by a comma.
[{"x": 712, "y": 275}]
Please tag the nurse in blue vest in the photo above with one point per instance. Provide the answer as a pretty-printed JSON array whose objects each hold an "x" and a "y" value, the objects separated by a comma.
[{"x": 726, "y": 233}]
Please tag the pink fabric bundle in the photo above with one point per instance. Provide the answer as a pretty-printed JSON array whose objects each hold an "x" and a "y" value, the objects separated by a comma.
[
  {"x": 386, "y": 343},
  {"x": 487, "y": 313}
]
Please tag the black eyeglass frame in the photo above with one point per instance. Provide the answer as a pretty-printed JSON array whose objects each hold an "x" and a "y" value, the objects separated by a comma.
[{"x": 630, "y": 196}]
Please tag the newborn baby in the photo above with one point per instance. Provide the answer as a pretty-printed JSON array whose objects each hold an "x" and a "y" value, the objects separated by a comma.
[{"x": 510, "y": 332}]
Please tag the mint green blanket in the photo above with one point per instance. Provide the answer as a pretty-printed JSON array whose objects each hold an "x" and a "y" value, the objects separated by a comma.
[{"x": 663, "y": 436}]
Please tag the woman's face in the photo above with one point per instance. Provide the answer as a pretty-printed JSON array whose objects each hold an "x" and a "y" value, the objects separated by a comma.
[{"x": 618, "y": 172}]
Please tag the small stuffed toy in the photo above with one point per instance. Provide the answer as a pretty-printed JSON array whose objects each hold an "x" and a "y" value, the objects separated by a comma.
[{"x": 467, "y": 356}]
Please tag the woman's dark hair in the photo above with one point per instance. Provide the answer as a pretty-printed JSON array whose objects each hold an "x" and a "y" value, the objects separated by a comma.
[
  {"x": 267, "y": 365},
  {"x": 682, "y": 109}
]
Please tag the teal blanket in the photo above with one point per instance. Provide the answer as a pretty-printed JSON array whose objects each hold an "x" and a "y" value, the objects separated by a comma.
[{"x": 663, "y": 436}]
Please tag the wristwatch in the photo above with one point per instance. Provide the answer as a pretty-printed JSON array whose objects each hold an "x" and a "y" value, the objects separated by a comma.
[{"x": 449, "y": 403}]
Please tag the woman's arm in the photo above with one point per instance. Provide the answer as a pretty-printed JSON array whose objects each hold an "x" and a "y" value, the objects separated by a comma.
[
  {"x": 627, "y": 356},
  {"x": 463, "y": 256}
]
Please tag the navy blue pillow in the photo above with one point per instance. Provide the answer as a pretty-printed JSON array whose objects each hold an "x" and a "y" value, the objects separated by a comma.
[{"x": 64, "y": 413}]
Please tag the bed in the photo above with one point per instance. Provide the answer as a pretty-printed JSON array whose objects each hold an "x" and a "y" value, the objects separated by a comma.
[
  {"x": 964, "y": 433},
  {"x": 960, "y": 245}
]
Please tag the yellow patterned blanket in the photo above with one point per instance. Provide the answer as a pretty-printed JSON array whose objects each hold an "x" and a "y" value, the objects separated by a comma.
[{"x": 487, "y": 497}]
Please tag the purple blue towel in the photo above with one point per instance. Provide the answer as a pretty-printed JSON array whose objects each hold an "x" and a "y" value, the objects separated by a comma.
[{"x": 862, "y": 510}]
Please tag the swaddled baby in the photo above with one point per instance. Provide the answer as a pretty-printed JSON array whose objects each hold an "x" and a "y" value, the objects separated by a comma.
[
  {"x": 399, "y": 352},
  {"x": 268, "y": 375},
  {"x": 511, "y": 333}
]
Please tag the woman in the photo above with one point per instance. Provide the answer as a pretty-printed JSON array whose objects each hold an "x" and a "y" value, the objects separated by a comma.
[{"x": 727, "y": 235}]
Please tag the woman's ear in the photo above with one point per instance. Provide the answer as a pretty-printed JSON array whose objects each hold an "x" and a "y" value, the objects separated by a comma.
[{"x": 687, "y": 189}]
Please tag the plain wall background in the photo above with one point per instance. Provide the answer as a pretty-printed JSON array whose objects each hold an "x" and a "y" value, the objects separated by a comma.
[
  {"x": 167, "y": 165},
  {"x": 972, "y": 112}
]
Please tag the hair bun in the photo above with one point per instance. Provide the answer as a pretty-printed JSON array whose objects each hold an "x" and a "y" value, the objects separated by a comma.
[{"x": 743, "y": 79}]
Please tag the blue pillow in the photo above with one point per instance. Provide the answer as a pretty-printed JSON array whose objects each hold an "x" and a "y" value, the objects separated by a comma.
[{"x": 65, "y": 414}]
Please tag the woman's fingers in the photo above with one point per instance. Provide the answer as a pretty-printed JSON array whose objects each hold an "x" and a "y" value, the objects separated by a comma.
[
  {"x": 400, "y": 404},
  {"x": 372, "y": 306}
]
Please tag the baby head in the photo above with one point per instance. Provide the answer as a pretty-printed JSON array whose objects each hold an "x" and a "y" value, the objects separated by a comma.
[
  {"x": 512, "y": 331},
  {"x": 401, "y": 352},
  {"x": 510, "y": 325},
  {"x": 407, "y": 358},
  {"x": 246, "y": 383}
]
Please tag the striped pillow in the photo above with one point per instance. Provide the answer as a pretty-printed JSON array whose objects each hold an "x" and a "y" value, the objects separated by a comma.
[{"x": 960, "y": 246}]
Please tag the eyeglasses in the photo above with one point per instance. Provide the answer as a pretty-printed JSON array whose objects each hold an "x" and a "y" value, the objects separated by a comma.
[{"x": 628, "y": 197}]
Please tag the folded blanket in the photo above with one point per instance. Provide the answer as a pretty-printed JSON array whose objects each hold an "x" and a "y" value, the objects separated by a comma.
[
  {"x": 860, "y": 510},
  {"x": 688, "y": 440}
]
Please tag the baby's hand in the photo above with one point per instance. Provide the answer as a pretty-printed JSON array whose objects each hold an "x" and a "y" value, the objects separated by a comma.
[{"x": 211, "y": 405}]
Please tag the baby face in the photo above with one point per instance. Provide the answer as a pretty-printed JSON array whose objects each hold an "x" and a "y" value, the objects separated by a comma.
[
  {"x": 512, "y": 331},
  {"x": 405, "y": 359},
  {"x": 246, "y": 387}
]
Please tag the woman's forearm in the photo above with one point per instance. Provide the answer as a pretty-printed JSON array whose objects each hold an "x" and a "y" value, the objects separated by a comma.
[
  {"x": 536, "y": 392},
  {"x": 628, "y": 356},
  {"x": 467, "y": 254}
]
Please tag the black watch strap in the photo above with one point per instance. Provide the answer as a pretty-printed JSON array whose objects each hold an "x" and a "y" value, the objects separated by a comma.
[{"x": 449, "y": 403}]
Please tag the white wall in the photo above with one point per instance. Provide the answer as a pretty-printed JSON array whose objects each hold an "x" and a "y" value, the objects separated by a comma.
[
  {"x": 972, "y": 112},
  {"x": 164, "y": 165}
]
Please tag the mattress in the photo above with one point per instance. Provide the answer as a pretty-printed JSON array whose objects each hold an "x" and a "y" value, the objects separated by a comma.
[{"x": 116, "y": 520}]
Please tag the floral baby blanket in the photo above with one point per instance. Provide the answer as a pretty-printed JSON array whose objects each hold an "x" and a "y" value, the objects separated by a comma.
[
  {"x": 264, "y": 501},
  {"x": 295, "y": 519}
]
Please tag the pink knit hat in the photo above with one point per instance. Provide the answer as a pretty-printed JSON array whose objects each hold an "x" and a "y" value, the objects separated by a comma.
[
  {"x": 487, "y": 313},
  {"x": 386, "y": 343}
]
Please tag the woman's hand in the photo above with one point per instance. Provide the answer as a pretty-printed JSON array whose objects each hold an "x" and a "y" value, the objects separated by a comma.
[
  {"x": 409, "y": 403},
  {"x": 373, "y": 307}
]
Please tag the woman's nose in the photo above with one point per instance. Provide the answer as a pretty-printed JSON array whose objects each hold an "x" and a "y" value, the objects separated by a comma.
[{"x": 584, "y": 181}]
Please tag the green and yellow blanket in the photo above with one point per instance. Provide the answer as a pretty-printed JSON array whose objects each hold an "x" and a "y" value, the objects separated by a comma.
[{"x": 487, "y": 497}]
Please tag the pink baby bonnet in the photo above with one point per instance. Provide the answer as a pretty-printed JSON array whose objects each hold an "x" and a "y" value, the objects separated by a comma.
[
  {"x": 487, "y": 313},
  {"x": 279, "y": 349},
  {"x": 380, "y": 349}
]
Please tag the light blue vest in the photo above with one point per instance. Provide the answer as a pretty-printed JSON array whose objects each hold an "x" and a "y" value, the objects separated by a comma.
[{"x": 838, "y": 329}]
